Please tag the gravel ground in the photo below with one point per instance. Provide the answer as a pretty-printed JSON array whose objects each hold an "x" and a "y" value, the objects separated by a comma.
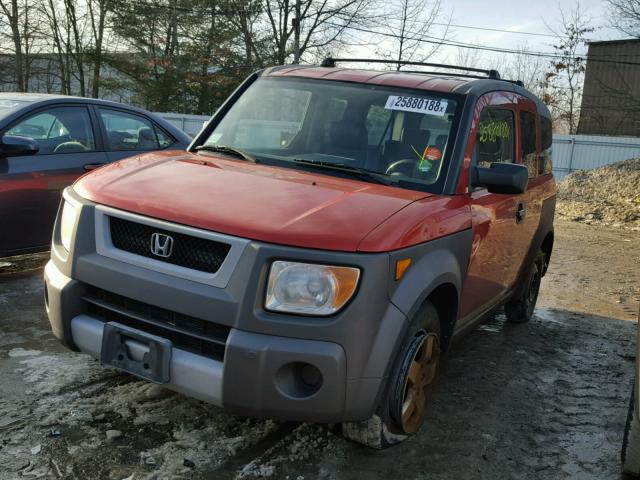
[
  {"x": 603, "y": 196},
  {"x": 545, "y": 400}
]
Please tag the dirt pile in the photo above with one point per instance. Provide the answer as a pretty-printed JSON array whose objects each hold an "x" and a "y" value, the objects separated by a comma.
[{"x": 607, "y": 195}]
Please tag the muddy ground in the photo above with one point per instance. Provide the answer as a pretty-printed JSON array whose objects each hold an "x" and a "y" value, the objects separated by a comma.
[{"x": 546, "y": 400}]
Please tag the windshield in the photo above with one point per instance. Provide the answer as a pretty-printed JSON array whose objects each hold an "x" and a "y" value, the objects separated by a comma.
[
  {"x": 7, "y": 106},
  {"x": 404, "y": 135}
]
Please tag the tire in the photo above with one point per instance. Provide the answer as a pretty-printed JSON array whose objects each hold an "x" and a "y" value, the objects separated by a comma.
[
  {"x": 409, "y": 389},
  {"x": 630, "y": 453},
  {"x": 520, "y": 307}
]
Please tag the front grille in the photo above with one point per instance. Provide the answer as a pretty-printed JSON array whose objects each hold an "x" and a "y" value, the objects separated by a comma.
[
  {"x": 189, "y": 252},
  {"x": 186, "y": 332}
]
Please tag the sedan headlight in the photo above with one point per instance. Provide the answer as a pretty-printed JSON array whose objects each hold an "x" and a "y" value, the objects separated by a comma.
[
  {"x": 67, "y": 221},
  {"x": 309, "y": 289}
]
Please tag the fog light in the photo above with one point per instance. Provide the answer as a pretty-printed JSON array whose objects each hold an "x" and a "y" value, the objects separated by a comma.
[
  {"x": 298, "y": 380},
  {"x": 310, "y": 375}
]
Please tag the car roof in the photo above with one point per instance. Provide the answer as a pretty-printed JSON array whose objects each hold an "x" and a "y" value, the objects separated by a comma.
[
  {"x": 51, "y": 97},
  {"x": 35, "y": 100},
  {"x": 437, "y": 82}
]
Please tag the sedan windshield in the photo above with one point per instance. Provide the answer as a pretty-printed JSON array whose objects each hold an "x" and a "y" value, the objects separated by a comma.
[
  {"x": 387, "y": 135},
  {"x": 8, "y": 106}
]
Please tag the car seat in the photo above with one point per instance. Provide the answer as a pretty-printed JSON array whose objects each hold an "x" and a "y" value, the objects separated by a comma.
[
  {"x": 441, "y": 142},
  {"x": 147, "y": 139},
  {"x": 348, "y": 138}
]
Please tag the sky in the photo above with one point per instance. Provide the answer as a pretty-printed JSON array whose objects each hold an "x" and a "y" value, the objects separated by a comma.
[
  {"x": 516, "y": 16},
  {"x": 522, "y": 15}
]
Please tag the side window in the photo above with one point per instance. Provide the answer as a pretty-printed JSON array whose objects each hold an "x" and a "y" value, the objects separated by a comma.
[
  {"x": 57, "y": 130},
  {"x": 127, "y": 131},
  {"x": 376, "y": 122},
  {"x": 528, "y": 142},
  {"x": 546, "y": 140},
  {"x": 164, "y": 140},
  {"x": 495, "y": 141}
]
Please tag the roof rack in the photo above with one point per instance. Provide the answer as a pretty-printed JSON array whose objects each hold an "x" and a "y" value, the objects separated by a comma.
[{"x": 492, "y": 74}]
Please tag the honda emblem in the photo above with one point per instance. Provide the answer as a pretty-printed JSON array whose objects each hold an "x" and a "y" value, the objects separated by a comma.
[{"x": 161, "y": 245}]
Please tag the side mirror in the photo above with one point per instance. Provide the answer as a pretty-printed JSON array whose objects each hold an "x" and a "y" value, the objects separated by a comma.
[
  {"x": 509, "y": 178},
  {"x": 13, "y": 146}
]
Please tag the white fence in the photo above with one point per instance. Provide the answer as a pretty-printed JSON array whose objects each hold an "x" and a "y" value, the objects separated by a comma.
[
  {"x": 570, "y": 152},
  {"x": 190, "y": 124},
  {"x": 584, "y": 152}
]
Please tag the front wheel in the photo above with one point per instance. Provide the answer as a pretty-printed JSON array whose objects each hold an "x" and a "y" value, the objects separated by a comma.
[
  {"x": 520, "y": 307},
  {"x": 408, "y": 393}
]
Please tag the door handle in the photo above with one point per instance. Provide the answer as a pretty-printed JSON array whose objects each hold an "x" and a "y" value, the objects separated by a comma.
[
  {"x": 92, "y": 166},
  {"x": 521, "y": 212}
]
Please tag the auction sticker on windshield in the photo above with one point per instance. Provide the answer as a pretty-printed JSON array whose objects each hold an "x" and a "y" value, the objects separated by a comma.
[{"x": 416, "y": 104}]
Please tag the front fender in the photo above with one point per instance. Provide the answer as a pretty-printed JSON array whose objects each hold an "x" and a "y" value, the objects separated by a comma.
[{"x": 434, "y": 263}]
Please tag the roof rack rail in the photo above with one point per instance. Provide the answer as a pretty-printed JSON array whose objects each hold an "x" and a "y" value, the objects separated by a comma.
[{"x": 493, "y": 74}]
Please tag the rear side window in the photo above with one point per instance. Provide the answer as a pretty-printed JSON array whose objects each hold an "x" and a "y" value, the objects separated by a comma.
[
  {"x": 528, "y": 142},
  {"x": 495, "y": 139},
  {"x": 57, "y": 130},
  {"x": 128, "y": 132},
  {"x": 546, "y": 140}
]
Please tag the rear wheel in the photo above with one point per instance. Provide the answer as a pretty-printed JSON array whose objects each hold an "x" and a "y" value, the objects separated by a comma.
[
  {"x": 519, "y": 309},
  {"x": 410, "y": 388}
]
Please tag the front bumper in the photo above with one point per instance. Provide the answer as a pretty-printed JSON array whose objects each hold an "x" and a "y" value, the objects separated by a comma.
[{"x": 259, "y": 368}]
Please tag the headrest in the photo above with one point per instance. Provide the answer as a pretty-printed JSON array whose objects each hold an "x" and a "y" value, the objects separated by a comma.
[
  {"x": 441, "y": 141},
  {"x": 347, "y": 135},
  {"x": 415, "y": 137},
  {"x": 145, "y": 133}
]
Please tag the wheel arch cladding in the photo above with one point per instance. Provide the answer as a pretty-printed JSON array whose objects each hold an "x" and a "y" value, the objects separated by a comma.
[
  {"x": 547, "y": 248},
  {"x": 445, "y": 300},
  {"x": 543, "y": 237},
  {"x": 436, "y": 274}
]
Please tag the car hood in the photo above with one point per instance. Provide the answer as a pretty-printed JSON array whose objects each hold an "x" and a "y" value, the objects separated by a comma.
[{"x": 259, "y": 202}]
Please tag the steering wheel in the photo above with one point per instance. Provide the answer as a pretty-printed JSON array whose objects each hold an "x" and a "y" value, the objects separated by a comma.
[{"x": 404, "y": 167}]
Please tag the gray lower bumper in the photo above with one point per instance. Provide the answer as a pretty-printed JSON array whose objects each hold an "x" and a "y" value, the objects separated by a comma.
[
  {"x": 260, "y": 375},
  {"x": 191, "y": 374}
]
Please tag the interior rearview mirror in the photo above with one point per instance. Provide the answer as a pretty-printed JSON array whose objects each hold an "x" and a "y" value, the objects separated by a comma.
[
  {"x": 13, "y": 146},
  {"x": 509, "y": 178}
]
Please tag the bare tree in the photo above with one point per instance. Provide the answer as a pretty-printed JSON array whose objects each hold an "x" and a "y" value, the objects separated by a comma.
[
  {"x": 411, "y": 23},
  {"x": 16, "y": 15},
  {"x": 98, "y": 10},
  {"x": 625, "y": 16},
  {"x": 75, "y": 42},
  {"x": 468, "y": 57},
  {"x": 245, "y": 15},
  {"x": 53, "y": 32},
  {"x": 530, "y": 69},
  {"x": 563, "y": 83},
  {"x": 300, "y": 26}
]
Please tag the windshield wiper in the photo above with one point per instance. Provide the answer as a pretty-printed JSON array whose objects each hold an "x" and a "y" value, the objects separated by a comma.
[
  {"x": 231, "y": 151},
  {"x": 346, "y": 169}
]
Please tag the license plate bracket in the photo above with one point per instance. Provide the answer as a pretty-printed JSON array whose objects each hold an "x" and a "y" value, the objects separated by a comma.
[{"x": 136, "y": 352}]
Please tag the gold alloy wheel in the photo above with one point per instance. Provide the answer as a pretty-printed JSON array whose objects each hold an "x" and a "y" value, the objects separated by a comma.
[{"x": 419, "y": 383}]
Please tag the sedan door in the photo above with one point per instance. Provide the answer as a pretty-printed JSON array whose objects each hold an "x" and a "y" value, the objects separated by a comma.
[
  {"x": 127, "y": 134},
  {"x": 31, "y": 186}
]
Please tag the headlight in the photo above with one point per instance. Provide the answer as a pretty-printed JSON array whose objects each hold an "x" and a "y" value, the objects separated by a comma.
[
  {"x": 308, "y": 288},
  {"x": 67, "y": 221}
]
